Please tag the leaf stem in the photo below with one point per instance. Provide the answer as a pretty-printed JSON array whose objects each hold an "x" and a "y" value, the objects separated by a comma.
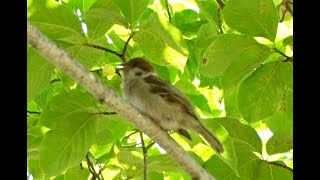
[
  {"x": 125, "y": 47},
  {"x": 144, "y": 150},
  {"x": 168, "y": 10},
  {"x": 104, "y": 49},
  {"x": 91, "y": 169},
  {"x": 288, "y": 58}
]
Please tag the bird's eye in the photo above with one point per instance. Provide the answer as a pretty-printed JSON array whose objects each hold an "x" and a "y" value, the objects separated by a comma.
[{"x": 138, "y": 73}]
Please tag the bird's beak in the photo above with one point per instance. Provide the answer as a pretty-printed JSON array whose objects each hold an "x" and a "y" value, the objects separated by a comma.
[{"x": 121, "y": 67}]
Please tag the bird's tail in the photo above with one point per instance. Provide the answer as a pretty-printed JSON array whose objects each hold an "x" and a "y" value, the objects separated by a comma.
[{"x": 212, "y": 140}]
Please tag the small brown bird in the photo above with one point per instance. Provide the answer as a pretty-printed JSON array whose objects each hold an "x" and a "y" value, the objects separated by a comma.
[{"x": 161, "y": 101}]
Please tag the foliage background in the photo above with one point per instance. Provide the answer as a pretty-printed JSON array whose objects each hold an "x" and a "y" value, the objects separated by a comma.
[{"x": 233, "y": 63}]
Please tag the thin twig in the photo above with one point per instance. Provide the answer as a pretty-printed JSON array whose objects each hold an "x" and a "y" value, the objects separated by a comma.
[
  {"x": 54, "y": 81},
  {"x": 91, "y": 169},
  {"x": 150, "y": 145},
  {"x": 288, "y": 58},
  {"x": 34, "y": 112},
  {"x": 280, "y": 165},
  {"x": 103, "y": 48},
  {"x": 144, "y": 150},
  {"x": 126, "y": 137},
  {"x": 107, "y": 113},
  {"x": 221, "y": 4},
  {"x": 168, "y": 10},
  {"x": 219, "y": 21},
  {"x": 131, "y": 146},
  {"x": 125, "y": 47}
]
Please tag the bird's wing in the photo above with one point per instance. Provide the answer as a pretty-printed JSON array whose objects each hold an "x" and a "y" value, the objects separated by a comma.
[{"x": 170, "y": 93}]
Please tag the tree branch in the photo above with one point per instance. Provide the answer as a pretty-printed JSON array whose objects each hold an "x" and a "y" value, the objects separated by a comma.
[
  {"x": 145, "y": 151},
  {"x": 107, "y": 96}
]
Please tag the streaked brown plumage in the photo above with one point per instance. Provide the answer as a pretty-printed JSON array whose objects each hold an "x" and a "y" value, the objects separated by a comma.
[{"x": 161, "y": 101}]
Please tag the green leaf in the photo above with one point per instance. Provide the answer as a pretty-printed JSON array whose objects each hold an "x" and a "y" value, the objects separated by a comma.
[
  {"x": 228, "y": 156},
  {"x": 247, "y": 163},
  {"x": 39, "y": 72},
  {"x": 206, "y": 35},
  {"x": 118, "y": 126},
  {"x": 56, "y": 21},
  {"x": 266, "y": 171},
  {"x": 279, "y": 143},
  {"x": 87, "y": 56},
  {"x": 244, "y": 65},
  {"x": 34, "y": 168},
  {"x": 65, "y": 105},
  {"x": 201, "y": 102},
  {"x": 103, "y": 4},
  {"x": 177, "y": 176},
  {"x": 266, "y": 86},
  {"x": 208, "y": 10},
  {"x": 46, "y": 95},
  {"x": 231, "y": 54},
  {"x": 241, "y": 132},
  {"x": 288, "y": 41},
  {"x": 130, "y": 158},
  {"x": 67, "y": 144},
  {"x": 34, "y": 138},
  {"x": 156, "y": 50},
  {"x": 187, "y": 21},
  {"x": 103, "y": 145},
  {"x": 155, "y": 176},
  {"x": 231, "y": 103},
  {"x": 100, "y": 20},
  {"x": 77, "y": 173},
  {"x": 186, "y": 87},
  {"x": 132, "y": 9},
  {"x": 162, "y": 163},
  {"x": 282, "y": 120},
  {"x": 161, "y": 27},
  {"x": 83, "y": 6},
  {"x": 252, "y": 17}
]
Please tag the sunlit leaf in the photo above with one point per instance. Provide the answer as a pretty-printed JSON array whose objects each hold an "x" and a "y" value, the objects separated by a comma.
[
  {"x": 56, "y": 21},
  {"x": 132, "y": 9},
  {"x": 266, "y": 86},
  {"x": 67, "y": 144},
  {"x": 232, "y": 54},
  {"x": 252, "y": 17},
  {"x": 155, "y": 49},
  {"x": 39, "y": 73},
  {"x": 64, "y": 105},
  {"x": 228, "y": 156}
]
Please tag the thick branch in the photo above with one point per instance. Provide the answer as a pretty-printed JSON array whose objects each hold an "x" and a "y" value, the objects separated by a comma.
[{"x": 105, "y": 95}]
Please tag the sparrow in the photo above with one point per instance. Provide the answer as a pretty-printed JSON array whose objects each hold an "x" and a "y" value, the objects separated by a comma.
[{"x": 161, "y": 101}]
